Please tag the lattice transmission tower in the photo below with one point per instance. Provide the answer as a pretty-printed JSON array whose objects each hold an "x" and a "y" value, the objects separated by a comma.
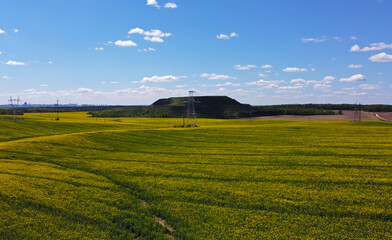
[
  {"x": 14, "y": 102},
  {"x": 358, "y": 112},
  {"x": 191, "y": 117}
]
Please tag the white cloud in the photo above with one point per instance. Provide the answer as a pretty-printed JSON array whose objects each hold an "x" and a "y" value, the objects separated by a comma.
[
  {"x": 313, "y": 69},
  {"x": 265, "y": 84},
  {"x": 154, "y": 35},
  {"x": 381, "y": 57},
  {"x": 355, "y": 66},
  {"x": 136, "y": 30},
  {"x": 322, "y": 86},
  {"x": 262, "y": 75},
  {"x": 290, "y": 87},
  {"x": 2, "y": 31},
  {"x": 153, "y": 3},
  {"x": 353, "y": 38},
  {"x": 298, "y": 81},
  {"x": 317, "y": 40},
  {"x": 151, "y": 33},
  {"x": 170, "y": 5},
  {"x": 368, "y": 87},
  {"x": 84, "y": 90},
  {"x": 103, "y": 82},
  {"x": 134, "y": 96},
  {"x": 127, "y": 43},
  {"x": 15, "y": 30},
  {"x": 5, "y": 77},
  {"x": 161, "y": 79},
  {"x": 354, "y": 78},
  {"x": 328, "y": 79},
  {"x": 321, "y": 39},
  {"x": 43, "y": 85},
  {"x": 154, "y": 39},
  {"x": 228, "y": 84},
  {"x": 114, "y": 82},
  {"x": 233, "y": 34},
  {"x": 355, "y": 93},
  {"x": 150, "y": 49},
  {"x": 98, "y": 49},
  {"x": 227, "y": 37},
  {"x": 1, "y": 52},
  {"x": 15, "y": 63},
  {"x": 50, "y": 62},
  {"x": 372, "y": 47},
  {"x": 180, "y": 86},
  {"x": 266, "y": 66},
  {"x": 245, "y": 67},
  {"x": 294, "y": 69},
  {"x": 213, "y": 76}
]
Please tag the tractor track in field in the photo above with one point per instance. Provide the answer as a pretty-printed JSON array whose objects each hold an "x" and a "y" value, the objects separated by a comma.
[{"x": 157, "y": 219}]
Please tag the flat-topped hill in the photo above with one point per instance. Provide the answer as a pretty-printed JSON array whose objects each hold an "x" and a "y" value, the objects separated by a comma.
[
  {"x": 202, "y": 101},
  {"x": 206, "y": 106}
]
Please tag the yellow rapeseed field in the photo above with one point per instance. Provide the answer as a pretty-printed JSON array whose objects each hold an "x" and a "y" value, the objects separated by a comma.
[{"x": 90, "y": 178}]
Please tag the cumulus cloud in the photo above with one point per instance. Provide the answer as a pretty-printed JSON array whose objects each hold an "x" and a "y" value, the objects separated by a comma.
[
  {"x": 15, "y": 30},
  {"x": 1, "y": 52},
  {"x": 355, "y": 93},
  {"x": 354, "y": 78},
  {"x": 154, "y": 39},
  {"x": 372, "y": 47},
  {"x": 213, "y": 76},
  {"x": 161, "y": 79},
  {"x": 265, "y": 84},
  {"x": 2, "y": 31},
  {"x": 355, "y": 66},
  {"x": 262, "y": 75},
  {"x": 130, "y": 96},
  {"x": 322, "y": 86},
  {"x": 5, "y": 77},
  {"x": 266, "y": 66},
  {"x": 153, "y": 3},
  {"x": 298, "y": 81},
  {"x": 15, "y": 63},
  {"x": 227, "y": 37},
  {"x": 154, "y": 35},
  {"x": 321, "y": 39},
  {"x": 84, "y": 90},
  {"x": 245, "y": 67},
  {"x": 381, "y": 58},
  {"x": 150, "y": 49},
  {"x": 50, "y": 62},
  {"x": 98, "y": 49},
  {"x": 328, "y": 79},
  {"x": 316, "y": 40},
  {"x": 170, "y": 5},
  {"x": 294, "y": 69},
  {"x": 127, "y": 43},
  {"x": 368, "y": 87},
  {"x": 228, "y": 84}
]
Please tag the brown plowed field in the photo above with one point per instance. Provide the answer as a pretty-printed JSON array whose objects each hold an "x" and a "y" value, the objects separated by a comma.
[
  {"x": 347, "y": 115},
  {"x": 385, "y": 115}
]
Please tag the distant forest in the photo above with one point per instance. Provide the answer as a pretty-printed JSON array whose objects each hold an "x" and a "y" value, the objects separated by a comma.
[{"x": 221, "y": 110}]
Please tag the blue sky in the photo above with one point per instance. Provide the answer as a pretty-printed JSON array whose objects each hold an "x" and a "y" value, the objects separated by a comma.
[{"x": 135, "y": 51}]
